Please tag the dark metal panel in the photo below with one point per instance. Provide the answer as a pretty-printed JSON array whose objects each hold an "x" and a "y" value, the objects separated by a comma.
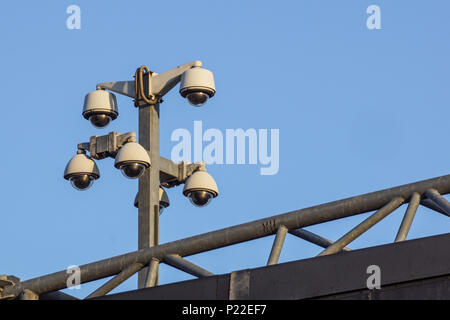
[
  {"x": 57, "y": 295},
  {"x": 211, "y": 288},
  {"x": 346, "y": 271},
  {"x": 428, "y": 289},
  {"x": 239, "y": 285}
]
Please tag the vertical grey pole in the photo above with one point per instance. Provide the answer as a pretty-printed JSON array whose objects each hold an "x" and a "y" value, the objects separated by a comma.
[
  {"x": 408, "y": 217},
  {"x": 277, "y": 245},
  {"x": 149, "y": 183},
  {"x": 151, "y": 275}
]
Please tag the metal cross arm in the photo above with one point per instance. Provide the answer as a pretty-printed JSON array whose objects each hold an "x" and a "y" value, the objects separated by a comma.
[
  {"x": 173, "y": 174},
  {"x": 101, "y": 147},
  {"x": 153, "y": 83}
]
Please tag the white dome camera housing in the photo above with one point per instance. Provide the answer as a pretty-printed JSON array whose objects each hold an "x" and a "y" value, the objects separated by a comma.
[
  {"x": 200, "y": 188},
  {"x": 197, "y": 85},
  {"x": 81, "y": 171},
  {"x": 100, "y": 108},
  {"x": 132, "y": 160},
  {"x": 163, "y": 200}
]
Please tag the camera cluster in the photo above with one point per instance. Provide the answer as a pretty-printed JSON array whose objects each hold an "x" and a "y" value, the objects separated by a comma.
[{"x": 100, "y": 108}]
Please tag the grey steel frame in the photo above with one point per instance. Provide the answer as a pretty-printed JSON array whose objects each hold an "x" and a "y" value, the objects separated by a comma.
[{"x": 172, "y": 253}]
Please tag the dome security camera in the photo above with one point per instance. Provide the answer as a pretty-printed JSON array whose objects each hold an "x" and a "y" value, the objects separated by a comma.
[
  {"x": 81, "y": 171},
  {"x": 100, "y": 108},
  {"x": 163, "y": 200},
  {"x": 200, "y": 188},
  {"x": 132, "y": 160},
  {"x": 197, "y": 85}
]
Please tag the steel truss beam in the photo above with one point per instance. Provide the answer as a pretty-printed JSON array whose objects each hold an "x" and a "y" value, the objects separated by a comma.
[{"x": 237, "y": 234}]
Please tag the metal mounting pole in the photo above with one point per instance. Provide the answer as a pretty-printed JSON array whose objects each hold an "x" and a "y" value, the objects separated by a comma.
[{"x": 149, "y": 183}]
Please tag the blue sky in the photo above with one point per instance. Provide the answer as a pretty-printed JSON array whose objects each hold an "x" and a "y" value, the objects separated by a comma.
[{"x": 358, "y": 110}]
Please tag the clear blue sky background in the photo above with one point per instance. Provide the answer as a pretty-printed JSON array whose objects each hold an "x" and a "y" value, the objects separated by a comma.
[{"x": 358, "y": 111}]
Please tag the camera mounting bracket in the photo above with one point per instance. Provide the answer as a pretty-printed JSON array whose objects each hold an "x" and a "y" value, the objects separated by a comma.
[
  {"x": 173, "y": 174},
  {"x": 101, "y": 147},
  {"x": 155, "y": 84}
]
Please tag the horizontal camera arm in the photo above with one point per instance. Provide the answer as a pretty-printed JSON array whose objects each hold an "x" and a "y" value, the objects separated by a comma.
[
  {"x": 101, "y": 147},
  {"x": 173, "y": 174},
  {"x": 157, "y": 84}
]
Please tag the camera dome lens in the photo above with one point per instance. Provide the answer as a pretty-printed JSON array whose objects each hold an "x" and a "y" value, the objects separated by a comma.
[
  {"x": 132, "y": 170},
  {"x": 81, "y": 182},
  {"x": 200, "y": 198},
  {"x": 197, "y": 99},
  {"x": 100, "y": 120}
]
